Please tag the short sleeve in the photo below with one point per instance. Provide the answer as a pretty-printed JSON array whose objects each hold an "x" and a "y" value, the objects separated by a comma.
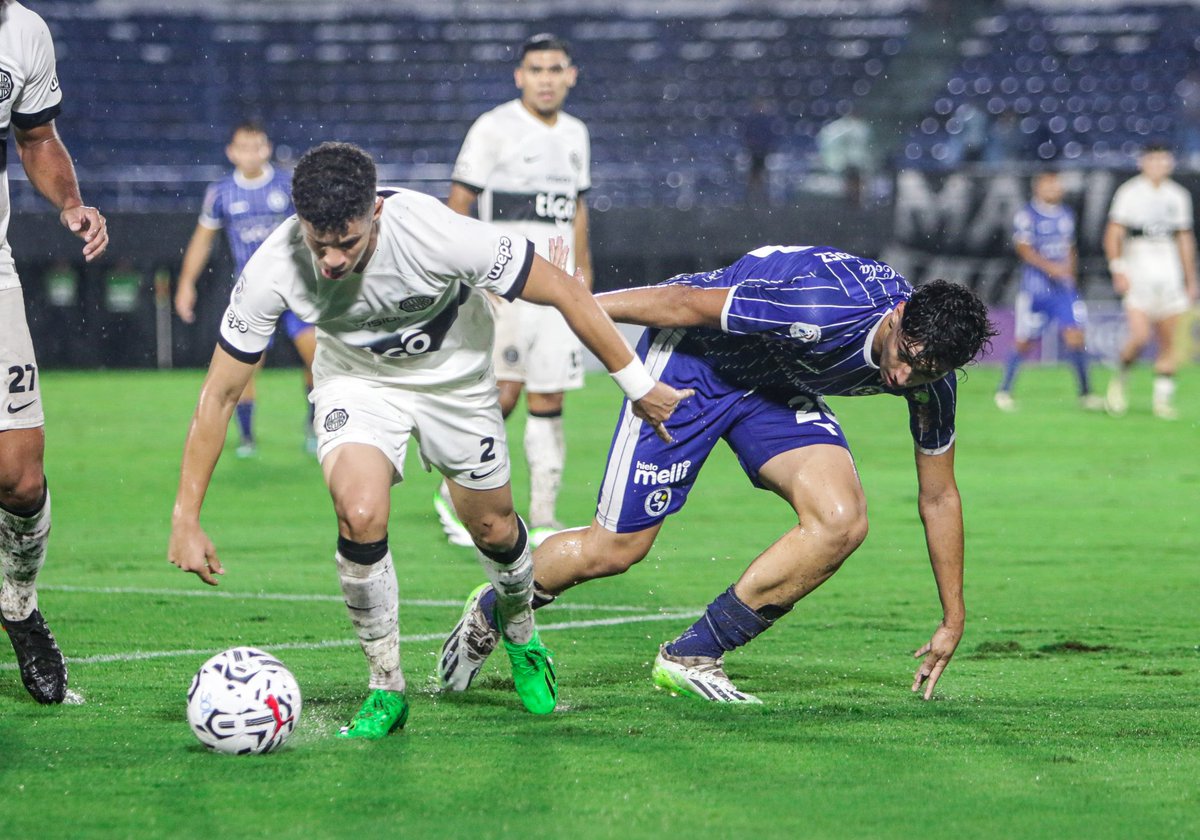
[
  {"x": 1122, "y": 209},
  {"x": 254, "y": 309},
  {"x": 1023, "y": 227},
  {"x": 213, "y": 211},
  {"x": 1182, "y": 211},
  {"x": 931, "y": 411},
  {"x": 585, "y": 169},
  {"x": 477, "y": 157},
  {"x": 39, "y": 100}
]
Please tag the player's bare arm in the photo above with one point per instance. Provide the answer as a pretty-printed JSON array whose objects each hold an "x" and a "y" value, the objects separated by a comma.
[
  {"x": 461, "y": 199},
  {"x": 194, "y": 259},
  {"x": 940, "y": 507},
  {"x": 1186, "y": 240},
  {"x": 583, "y": 247},
  {"x": 551, "y": 286},
  {"x": 666, "y": 307},
  {"x": 190, "y": 548},
  {"x": 1064, "y": 270},
  {"x": 1114, "y": 243},
  {"x": 50, "y": 170}
]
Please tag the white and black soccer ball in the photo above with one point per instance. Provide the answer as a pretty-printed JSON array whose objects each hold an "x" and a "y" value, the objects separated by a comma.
[{"x": 243, "y": 701}]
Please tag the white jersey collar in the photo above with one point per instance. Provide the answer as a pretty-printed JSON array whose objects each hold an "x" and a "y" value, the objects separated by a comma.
[{"x": 254, "y": 183}]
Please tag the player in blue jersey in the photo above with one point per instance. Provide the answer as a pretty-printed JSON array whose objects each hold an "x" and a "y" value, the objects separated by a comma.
[
  {"x": 1044, "y": 238},
  {"x": 762, "y": 342},
  {"x": 247, "y": 204}
]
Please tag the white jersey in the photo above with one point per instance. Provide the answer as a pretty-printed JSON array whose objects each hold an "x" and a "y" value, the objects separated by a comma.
[
  {"x": 1151, "y": 217},
  {"x": 529, "y": 175},
  {"x": 411, "y": 318},
  {"x": 29, "y": 97}
]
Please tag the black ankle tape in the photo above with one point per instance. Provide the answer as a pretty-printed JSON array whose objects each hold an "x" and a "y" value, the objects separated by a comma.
[
  {"x": 364, "y": 554},
  {"x": 548, "y": 415},
  {"x": 506, "y": 558},
  {"x": 772, "y": 612}
]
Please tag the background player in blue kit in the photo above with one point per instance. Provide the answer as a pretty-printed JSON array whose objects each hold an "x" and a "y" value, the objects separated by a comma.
[
  {"x": 761, "y": 342},
  {"x": 1044, "y": 238},
  {"x": 248, "y": 204}
]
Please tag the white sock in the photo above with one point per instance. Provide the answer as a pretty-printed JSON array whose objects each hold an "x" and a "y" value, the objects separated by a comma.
[
  {"x": 1164, "y": 389},
  {"x": 22, "y": 554},
  {"x": 372, "y": 598},
  {"x": 546, "y": 452},
  {"x": 513, "y": 583}
]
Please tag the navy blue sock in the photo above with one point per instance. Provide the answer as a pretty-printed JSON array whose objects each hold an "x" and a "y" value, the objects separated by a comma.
[
  {"x": 1010, "y": 371},
  {"x": 727, "y": 624},
  {"x": 487, "y": 603},
  {"x": 1079, "y": 361},
  {"x": 245, "y": 419}
]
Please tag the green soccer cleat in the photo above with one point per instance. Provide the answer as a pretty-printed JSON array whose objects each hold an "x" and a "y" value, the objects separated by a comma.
[
  {"x": 381, "y": 714},
  {"x": 533, "y": 675}
]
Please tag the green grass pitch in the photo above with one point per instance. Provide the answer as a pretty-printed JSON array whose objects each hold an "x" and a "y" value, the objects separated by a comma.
[{"x": 1070, "y": 709}]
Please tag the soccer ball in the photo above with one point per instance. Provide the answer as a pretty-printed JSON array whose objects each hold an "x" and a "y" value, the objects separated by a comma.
[{"x": 243, "y": 701}]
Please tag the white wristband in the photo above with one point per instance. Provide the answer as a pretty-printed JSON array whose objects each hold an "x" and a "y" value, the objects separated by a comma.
[
  {"x": 1117, "y": 266},
  {"x": 634, "y": 380}
]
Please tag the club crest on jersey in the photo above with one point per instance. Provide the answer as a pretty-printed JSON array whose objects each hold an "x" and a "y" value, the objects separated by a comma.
[
  {"x": 416, "y": 303},
  {"x": 805, "y": 332},
  {"x": 504, "y": 255},
  {"x": 6, "y": 85},
  {"x": 335, "y": 419},
  {"x": 511, "y": 354},
  {"x": 656, "y": 502},
  {"x": 277, "y": 200}
]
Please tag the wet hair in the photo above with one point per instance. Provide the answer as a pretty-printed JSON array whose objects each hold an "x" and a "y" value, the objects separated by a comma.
[
  {"x": 249, "y": 127},
  {"x": 1156, "y": 146},
  {"x": 333, "y": 184},
  {"x": 948, "y": 323},
  {"x": 543, "y": 41}
]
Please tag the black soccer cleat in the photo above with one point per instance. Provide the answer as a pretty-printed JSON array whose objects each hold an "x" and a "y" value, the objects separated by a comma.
[{"x": 43, "y": 669}]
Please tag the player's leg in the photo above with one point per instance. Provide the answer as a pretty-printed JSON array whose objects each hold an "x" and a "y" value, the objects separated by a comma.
[
  {"x": 24, "y": 507},
  {"x": 1029, "y": 321},
  {"x": 1139, "y": 326},
  {"x": 832, "y": 523},
  {"x": 304, "y": 338},
  {"x": 1165, "y": 365},
  {"x": 247, "y": 443},
  {"x": 1070, "y": 313}
]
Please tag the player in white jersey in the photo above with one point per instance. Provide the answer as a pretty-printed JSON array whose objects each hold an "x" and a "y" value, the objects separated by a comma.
[
  {"x": 394, "y": 284},
  {"x": 527, "y": 165},
  {"x": 30, "y": 99},
  {"x": 1151, "y": 252}
]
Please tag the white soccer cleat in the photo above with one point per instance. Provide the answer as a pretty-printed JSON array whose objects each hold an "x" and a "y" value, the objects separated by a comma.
[
  {"x": 1092, "y": 402},
  {"x": 701, "y": 677},
  {"x": 1005, "y": 402},
  {"x": 1165, "y": 411},
  {"x": 468, "y": 646},
  {"x": 1115, "y": 401},
  {"x": 456, "y": 533}
]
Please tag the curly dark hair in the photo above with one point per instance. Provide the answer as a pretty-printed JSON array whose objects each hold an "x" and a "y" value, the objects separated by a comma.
[
  {"x": 333, "y": 184},
  {"x": 944, "y": 327}
]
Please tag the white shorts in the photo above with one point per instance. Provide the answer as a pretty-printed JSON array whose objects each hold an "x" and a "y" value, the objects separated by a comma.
[
  {"x": 1156, "y": 284},
  {"x": 534, "y": 345},
  {"x": 21, "y": 394},
  {"x": 459, "y": 430}
]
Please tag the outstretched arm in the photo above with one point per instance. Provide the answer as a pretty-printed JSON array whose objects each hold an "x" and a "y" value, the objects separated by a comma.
[
  {"x": 50, "y": 170},
  {"x": 190, "y": 548},
  {"x": 652, "y": 401},
  {"x": 941, "y": 513},
  {"x": 666, "y": 307}
]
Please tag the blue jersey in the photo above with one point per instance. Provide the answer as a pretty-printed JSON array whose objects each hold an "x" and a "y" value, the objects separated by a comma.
[
  {"x": 247, "y": 210},
  {"x": 1050, "y": 230},
  {"x": 800, "y": 321}
]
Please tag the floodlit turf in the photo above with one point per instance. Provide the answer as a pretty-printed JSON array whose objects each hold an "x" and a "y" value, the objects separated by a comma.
[{"x": 1069, "y": 711}]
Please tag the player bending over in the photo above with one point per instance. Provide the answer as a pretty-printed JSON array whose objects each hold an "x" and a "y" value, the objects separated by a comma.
[
  {"x": 394, "y": 281},
  {"x": 762, "y": 342}
]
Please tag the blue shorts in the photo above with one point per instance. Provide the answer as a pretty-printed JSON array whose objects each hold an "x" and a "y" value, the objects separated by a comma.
[
  {"x": 1060, "y": 305},
  {"x": 647, "y": 479}
]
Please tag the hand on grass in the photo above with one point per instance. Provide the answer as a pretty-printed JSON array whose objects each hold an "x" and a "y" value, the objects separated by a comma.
[
  {"x": 936, "y": 653},
  {"x": 191, "y": 550}
]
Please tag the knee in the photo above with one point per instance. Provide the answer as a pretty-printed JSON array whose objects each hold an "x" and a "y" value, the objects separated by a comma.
[
  {"x": 844, "y": 528},
  {"x": 494, "y": 531},
  {"x": 361, "y": 520},
  {"x": 22, "y": 489}
]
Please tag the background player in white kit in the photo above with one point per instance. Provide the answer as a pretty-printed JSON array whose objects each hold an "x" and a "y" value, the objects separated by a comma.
[
  {"x": 1151, "y": 250},
  {"x": 30, "y": 99},
  {"x": 527, "y": 165},
  {"x": 393, "y": 283}
]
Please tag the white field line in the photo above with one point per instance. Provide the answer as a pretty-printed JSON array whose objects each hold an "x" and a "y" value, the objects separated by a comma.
[
  {"x": 210, "y": 592},
  {"x": 135, "y": 656}
]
